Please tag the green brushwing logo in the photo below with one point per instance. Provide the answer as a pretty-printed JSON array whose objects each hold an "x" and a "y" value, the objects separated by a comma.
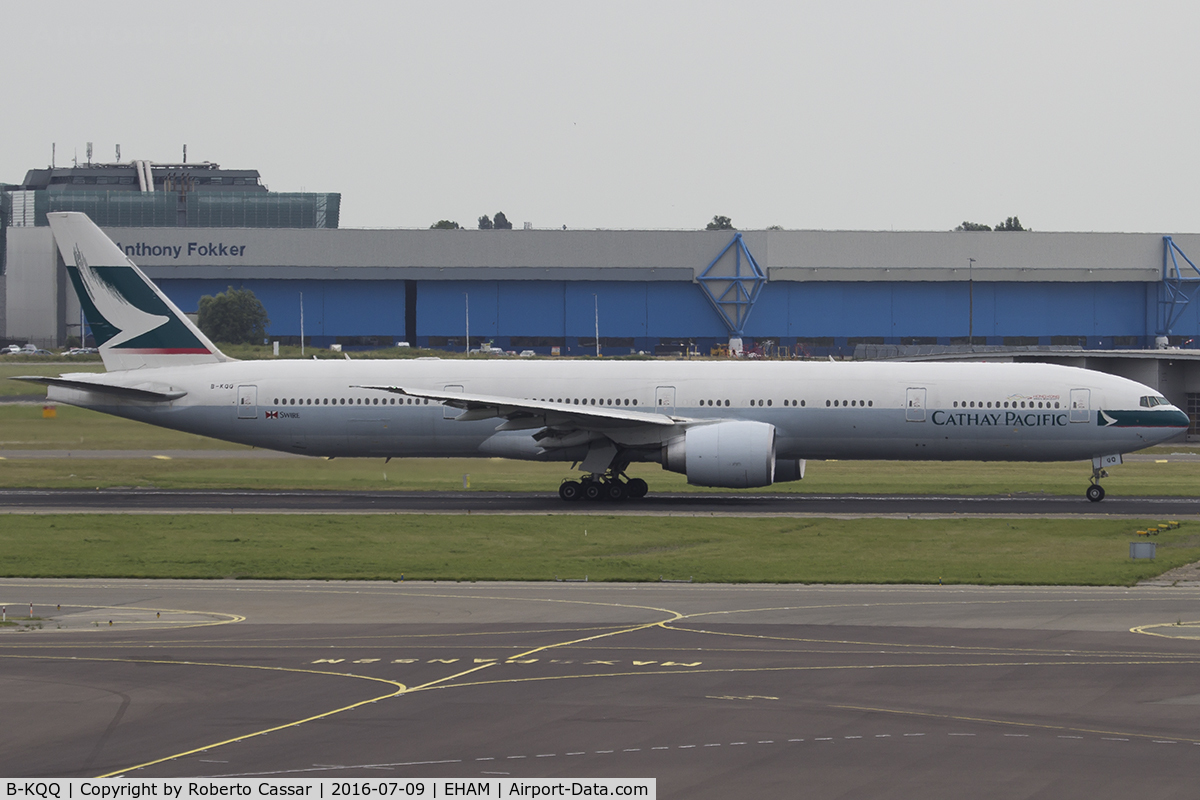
[{"x": 126, "y": 313}]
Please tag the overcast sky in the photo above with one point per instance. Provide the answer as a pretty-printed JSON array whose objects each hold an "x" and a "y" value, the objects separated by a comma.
[{"x": 1076, "y": 116}]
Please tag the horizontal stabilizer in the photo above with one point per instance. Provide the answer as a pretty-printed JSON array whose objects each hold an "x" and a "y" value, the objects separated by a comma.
[{"x": 142, "y": 391}]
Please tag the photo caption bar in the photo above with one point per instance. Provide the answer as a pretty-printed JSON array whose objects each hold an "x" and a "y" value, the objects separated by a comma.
[{"x": 322, "y": 788}]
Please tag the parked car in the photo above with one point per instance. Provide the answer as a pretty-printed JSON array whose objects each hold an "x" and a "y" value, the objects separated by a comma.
[{"x": 27, "y": 350}]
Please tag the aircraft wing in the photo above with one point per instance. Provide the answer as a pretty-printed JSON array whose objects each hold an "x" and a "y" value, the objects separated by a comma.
[
  {"x": 522, "y": 413},
  {"x": 142, "y": 391}
]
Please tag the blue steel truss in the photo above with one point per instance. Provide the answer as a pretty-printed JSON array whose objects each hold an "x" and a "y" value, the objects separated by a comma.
[
  {"x": 1179, "y": 287},
  {"x": 733, "y": 292}
]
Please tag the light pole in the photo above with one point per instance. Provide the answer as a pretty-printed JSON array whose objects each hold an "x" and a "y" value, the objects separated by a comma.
[
  {"x": 596, "y": 304},
  {"x": 971, "y": 301}
]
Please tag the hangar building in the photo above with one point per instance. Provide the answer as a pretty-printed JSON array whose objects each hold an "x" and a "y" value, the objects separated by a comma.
[{"x": 197, "y": 229}]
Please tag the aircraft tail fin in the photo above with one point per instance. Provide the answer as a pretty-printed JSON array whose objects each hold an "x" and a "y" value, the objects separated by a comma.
[{"x": 134, "y": 323}]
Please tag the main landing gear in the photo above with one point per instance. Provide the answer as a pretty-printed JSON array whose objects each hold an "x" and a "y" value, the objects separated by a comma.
[
  {"x": 1095, "y": 492},
  {"x": 610, "y": 486}
]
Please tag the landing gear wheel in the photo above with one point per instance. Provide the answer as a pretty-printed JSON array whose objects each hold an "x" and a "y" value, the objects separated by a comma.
[
  {"x": 592, "y": 491},
  {"x": 1095, "y": 493},
  {"x": 615, "y": 491},
  {"x": 570, "y": 490},
  {"x": 636, "y": 488}
]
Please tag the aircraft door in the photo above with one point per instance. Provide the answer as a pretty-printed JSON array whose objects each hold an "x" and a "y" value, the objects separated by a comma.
[
  {"x": 247, "y": 402},
  {"x": 1081, "y": 403},
  {"x": 914, "y": 408},
  {"x": 664, "y": 399}
]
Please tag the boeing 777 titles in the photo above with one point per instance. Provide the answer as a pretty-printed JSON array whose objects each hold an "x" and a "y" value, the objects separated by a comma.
[{"x": 721, "y": 423}]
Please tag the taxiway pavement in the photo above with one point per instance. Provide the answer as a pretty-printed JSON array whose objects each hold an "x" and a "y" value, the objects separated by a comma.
[
  {"x": 716, "y": 691},
  {"x": 740, "y": 504}
]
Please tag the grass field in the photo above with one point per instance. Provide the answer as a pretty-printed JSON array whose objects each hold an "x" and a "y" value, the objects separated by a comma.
[
  {"x": 824, "y": 477},
  {"x": 605, "y": 548},
  {"x": 378, "y": 547},
  {"x": 23, "y": 428},
  {"x": 37, "y": 365}
]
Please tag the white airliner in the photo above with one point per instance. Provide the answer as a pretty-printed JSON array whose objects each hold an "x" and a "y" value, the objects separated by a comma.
[{"x": 722, "y": 423}]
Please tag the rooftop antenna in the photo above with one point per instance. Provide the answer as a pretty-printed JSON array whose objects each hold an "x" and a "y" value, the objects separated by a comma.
[
  {"x": 185, "y": 154},
  {"x": 89, "y": 152},
  {"x": 53, "y": 153},
  {"x": 118, "y": 154}
]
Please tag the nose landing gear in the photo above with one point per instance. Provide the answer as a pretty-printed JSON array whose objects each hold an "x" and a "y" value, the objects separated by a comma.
[
  {"x": 609, "y": 486},
  {"x": 1095, "y": 492}
]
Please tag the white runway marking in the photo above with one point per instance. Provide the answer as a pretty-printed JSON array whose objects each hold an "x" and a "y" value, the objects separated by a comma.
[{"x": 1034, "y": 740}]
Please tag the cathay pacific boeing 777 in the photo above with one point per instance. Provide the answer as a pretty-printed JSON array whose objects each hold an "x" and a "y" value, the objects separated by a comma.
[{"x": 721, "y": 423}]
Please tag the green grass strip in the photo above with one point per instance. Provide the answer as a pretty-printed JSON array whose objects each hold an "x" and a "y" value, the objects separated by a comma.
[
  {"x": 75, "y": 429},
  {"x": 23, "y": 427},
  {"x": 614, "y": 548}
]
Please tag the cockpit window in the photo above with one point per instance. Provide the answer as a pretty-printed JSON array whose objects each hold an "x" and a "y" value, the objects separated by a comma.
[{"x": 1150, "y": 401}]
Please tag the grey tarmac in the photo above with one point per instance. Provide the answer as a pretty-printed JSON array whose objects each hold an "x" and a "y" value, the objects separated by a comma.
[
  {"x": 716, "y": 691},
  {"x": 257, "y": 453},
  {"x": 133, "y": 500}
]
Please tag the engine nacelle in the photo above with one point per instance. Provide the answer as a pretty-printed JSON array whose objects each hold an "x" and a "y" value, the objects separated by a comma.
[{"x": 734, "y": 454}]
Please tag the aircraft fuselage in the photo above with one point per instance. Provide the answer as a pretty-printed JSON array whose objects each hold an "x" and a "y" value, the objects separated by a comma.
[{"x": 820, "y": 410}]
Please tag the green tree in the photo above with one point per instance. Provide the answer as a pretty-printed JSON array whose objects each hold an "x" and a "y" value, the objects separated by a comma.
[
  {"x": 973, "y": 226},
  {"x": 234, "y": 316},
  {"x": 1011, "y": 224},
  {"x": 501, "y": 222},
  {"x": 444, "y": 225},
  {"x": 485, "y": 224},
  {"x": 720, "y": 223}
]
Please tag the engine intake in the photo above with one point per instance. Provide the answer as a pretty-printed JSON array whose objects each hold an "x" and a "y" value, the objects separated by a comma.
[{"x": 733, "y": 455}]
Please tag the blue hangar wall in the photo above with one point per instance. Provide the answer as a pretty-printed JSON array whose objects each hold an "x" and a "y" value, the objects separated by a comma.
[
  {"x": 818, "y": 292},
  {"x": 820, "y": 317}
]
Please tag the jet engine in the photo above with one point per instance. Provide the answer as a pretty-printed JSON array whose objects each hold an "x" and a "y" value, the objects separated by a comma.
[{"x": 734, "y": 454}]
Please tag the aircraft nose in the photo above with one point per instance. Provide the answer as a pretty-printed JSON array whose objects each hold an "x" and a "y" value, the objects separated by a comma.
[{"x": 1179, "y": 419}]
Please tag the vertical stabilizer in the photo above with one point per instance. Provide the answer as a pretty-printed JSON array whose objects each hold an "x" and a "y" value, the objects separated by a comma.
[{"x": 135, "y": 324}]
